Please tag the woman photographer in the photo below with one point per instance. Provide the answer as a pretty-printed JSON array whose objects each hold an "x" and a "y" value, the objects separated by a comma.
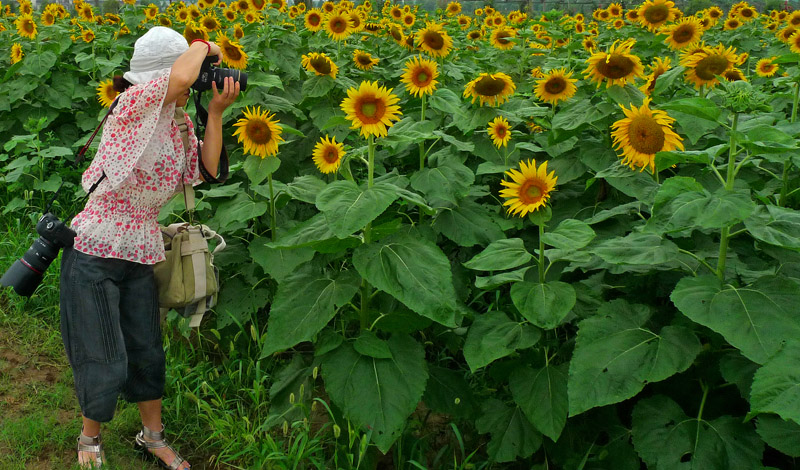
[{"x": 110, "y": 321}]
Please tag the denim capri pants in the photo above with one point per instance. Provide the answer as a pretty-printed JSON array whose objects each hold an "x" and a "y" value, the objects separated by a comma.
[{"x": 110, "y": 325}]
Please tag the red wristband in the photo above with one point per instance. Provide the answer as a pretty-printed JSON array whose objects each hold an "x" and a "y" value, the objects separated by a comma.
[{"x": 204, "y": 42}]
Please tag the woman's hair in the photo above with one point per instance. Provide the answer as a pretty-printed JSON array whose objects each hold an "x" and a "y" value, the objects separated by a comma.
[{"x": 120, "y": 84}]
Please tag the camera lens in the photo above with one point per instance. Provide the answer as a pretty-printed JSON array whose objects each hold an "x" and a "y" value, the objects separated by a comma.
[
  {"x": 26, "y": 273},
  {"x": 219, "y": 75}
]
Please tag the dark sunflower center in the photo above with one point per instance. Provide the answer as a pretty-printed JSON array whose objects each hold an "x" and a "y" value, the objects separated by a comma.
[
  {"x": 210, "y": 24},
  {"x": 500, "y": 131},
  {"x": 714, "y": 13},
  {"x": 656, "y": 14},
  {"x": 321, "y": 65},
  {"x": 711, "y": 66},
  {"x": 28, "y": 27},
  {"x": 733, "y": 23},
  {"x": 733, "y": 75},
  {"x": 474, "y": 35},
  {"x": 396, "y": 34},
  {"x": 604, "y": 15},
  {"x": 355, "y": 21},
  {"x": 314, "y": 19},
  {"x": 433, "y": 40},
  {"x": 408, "y": 20},
  {"x": 258, "y": 131},
  {"x": 616, "y": 66},
  {"x": 683, "y": 34},
  {"x": 232, "y": 52},
  {"x": 488, "y": 86},
  {"x": 331, "y": 155},
  {"x": 502, "y": 38},
  {"x": 555, "y": 85},
  {"x": 498, "y": 21},
  {"x": 530, "y": 192},
  {"x": 646, "y": 135},
  {"x": 422, "y": 78},
  {"x": 371, "y": 110},
  {"x": 746, "y": 13},
  {"x": 338, "y": 25},
  {"x": 397, "y": 13},
  {"x": 364, "y": 59},
  {"x": 795, "y": 20}
]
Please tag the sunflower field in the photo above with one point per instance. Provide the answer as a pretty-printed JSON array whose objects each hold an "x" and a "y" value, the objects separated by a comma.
[{"x": 530, "y": 240}]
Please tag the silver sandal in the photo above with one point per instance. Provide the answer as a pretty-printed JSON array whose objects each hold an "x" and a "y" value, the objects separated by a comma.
[
  {"x": 156, "y": 442},
  {"x": 93, "y": 445}
]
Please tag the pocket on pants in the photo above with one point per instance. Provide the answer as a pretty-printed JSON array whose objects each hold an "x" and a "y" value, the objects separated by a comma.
[{"x": 94, "y": 331}]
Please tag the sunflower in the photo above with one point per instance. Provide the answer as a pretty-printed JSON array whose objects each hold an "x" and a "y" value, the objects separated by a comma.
[
  {"x": 85, "y": 11},
  {"x": 320, "y": 64},
  {"x": 493, "y": 89},
  {"x": 259, "y": 132},
  {"x": 242, "y": 6},
  {"x": 337, "y": 26},
  {"x": 529, "y": 188},
  {"x": 182, "y": 15},
  {"x": 682, "y": 34},
  {"x": 555, "y": 86},
  {"x": 589, "y": 44},
  {"x": 474, "y": 35},
  {"x": 48, "y": 18},
  {"x": 150, "y": 12},
  {"x": 364, "y": 60},
  {"x": 794, "y": 19},
  {"x": 257, "y": 5},
  {"x": 420, "y": 76},
  {"x": 16, "y": 53},
  {"x": 229, "y": 14},
  {"x": 313, "y": 20},
  {"x": 26, "y": 27},
  {"x": 25, "y": 7},
  {"x": 747, "y": 13},
  {"x": 434, "y": 40},
  {"x": 396, "y": 13},
  {"x": 191, "y": 32},
  {"x": 501, "y": 38},
  {"x": 106, "y": 93},
  {"x": 794, "y": 42},
  {"x": 657, "y": 68},
  {"x": 500, "y": 132},
  {"x": 654, "y": 13},
  {"x": 464, "y": 21},
  {"x": 618, "y": 66},
  {"x": 87, "y": 35},
  {"x": 328, "y": 155},
  {"x": 252, "y": 17},
  {"x": 642, "y": 134},
  {"x": 408, "y": 20},
  {"x": 714, "y": 12},
  {"x": 731, "y": 24},
  {"x": 371, "y": 108},
  {"x": 238, "y": 32},
  {"x": 232, "y": 53},
  {"x": 615, "y": 10},
  {"x": 453, "y": 9},
  {"x": 734, "y": 75},
  {"x": 356, "y": 22},
  {"x": 210, "y": 22},
  {"x": 703, "y": 67}
]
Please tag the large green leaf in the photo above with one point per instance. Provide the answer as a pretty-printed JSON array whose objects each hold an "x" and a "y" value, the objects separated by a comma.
[
  {"x": 449, "y": 392},
  {"x": 542, "y": 395},
  {"x": 412, "y": 270},
  {"x": 377, "y": 394},
  {"x": 318, "y": 85},
  {"x": 500, "y": 255},
  {"x": 616, "y": 355},
  {"x": 468, "y": 224},
  {"x": 284, "y": 394},
  {"x": 450, "y": 181},
  {"x": 756, "y": 319},
  {"x": 258, "y": 169},
  {"x": 778, "y": 226},
  {"x": 307, "y": 233},
  {"x": 512, "y": 434},
  {"x": 780, "y": 434},
  {"x": 493, "y": 335},
  {"x": 238, "y": 301},
  {"x": 636, "y": 248},
  {"x": 305, "y": 188},
  {"x": 776, "y": 385},
  {"x": 682, "y": 204},
  {"x": 349, "y": 209},
  {"x": 570, "y": 234},
  {"x": 277, "y": 262},
  {"x": 667, "y": 439},
  {"x": 698, "y": 107},
  {"x": 543, "y": 304},
  {"x": 239, "y": 209},
  {"x": 304, "y": 303}
]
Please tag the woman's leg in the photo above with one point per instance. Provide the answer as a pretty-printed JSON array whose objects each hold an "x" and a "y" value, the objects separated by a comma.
[{"x": 141, "y": 325}]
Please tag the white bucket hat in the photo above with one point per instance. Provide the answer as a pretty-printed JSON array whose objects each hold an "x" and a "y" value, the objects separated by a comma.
[{"x": 154, "y": 53}]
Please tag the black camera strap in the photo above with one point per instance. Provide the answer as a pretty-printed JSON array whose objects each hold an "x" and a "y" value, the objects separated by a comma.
[
  {"x": 202, "y": 119},
  {"x": 81, "y": 155}
]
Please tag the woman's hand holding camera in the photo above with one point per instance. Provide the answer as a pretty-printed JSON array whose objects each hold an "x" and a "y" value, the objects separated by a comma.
[{"x": 220, "y": 101}]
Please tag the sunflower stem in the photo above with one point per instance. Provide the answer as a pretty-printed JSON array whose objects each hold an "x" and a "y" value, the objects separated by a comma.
[
  {"x": 273, "y": 224},
  {"x": 422, "y": 152},
  {"x": 706, "y": 389},
  {"x": 725, "y": 235},
  {"x": 541, "y": 253},
  {"x": 788, "y": 163},
  {"x": 366, "y": 289}
]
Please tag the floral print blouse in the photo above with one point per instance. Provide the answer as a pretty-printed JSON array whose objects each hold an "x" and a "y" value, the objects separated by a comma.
[{"x": 142, "y": 154}]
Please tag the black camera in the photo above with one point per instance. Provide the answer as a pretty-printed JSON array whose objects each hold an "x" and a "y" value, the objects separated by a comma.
[
  {"x": 26, "y": 273},
  {"x": 209, "y": 73}
]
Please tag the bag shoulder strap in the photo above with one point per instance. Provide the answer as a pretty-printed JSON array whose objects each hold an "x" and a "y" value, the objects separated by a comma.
[{"x": 188, "y": 190}]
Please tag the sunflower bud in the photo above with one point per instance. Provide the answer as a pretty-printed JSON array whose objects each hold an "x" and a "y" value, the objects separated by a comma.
[
  {"x": 285, "y": 428},
  {"x": 291, "y": 398},
  {"x": 302, "y": 390},
  {"x": 315, "y": 373},
  {"x": 337, "y": 431},
  {"x": 741, "y": 97}
]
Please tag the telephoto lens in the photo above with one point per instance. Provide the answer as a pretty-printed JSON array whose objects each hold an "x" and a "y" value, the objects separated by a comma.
[
  {"x": 25, "y": 275},
  {"x": 209, "y": 73}
]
